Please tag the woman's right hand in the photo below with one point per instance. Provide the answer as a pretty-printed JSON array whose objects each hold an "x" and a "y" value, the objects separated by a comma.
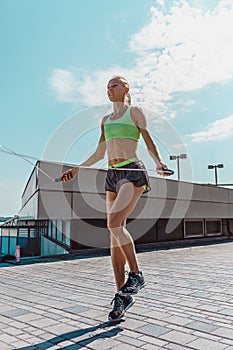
[{"x": 69, "y": 174}]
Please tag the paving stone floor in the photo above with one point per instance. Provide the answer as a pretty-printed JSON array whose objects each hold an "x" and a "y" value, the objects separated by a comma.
[{"x": 186, "y": 304}]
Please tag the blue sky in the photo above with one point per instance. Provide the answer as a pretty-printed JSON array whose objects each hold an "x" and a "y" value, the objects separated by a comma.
[{"x": 57, "y": 56}]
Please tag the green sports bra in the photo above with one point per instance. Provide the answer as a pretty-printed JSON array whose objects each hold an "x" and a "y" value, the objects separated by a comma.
[{"x": 121, "y": 128}]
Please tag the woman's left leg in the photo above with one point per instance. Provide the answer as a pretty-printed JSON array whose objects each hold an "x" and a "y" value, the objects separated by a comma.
[
  {"x": 117, "y": 255},
  {"x": 123, "y": 205}
]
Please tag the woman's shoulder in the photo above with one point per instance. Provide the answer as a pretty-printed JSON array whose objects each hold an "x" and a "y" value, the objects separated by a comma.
[
  {"x": 136, "y": 110},
  {"x": 138, "y": 116},
  {"x": 105, "y": 118}
]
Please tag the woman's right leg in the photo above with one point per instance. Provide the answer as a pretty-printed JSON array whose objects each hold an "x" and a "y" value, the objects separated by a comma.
[
  {"x": 121, "y": 302},
  {"x": 118, "y": 263}
]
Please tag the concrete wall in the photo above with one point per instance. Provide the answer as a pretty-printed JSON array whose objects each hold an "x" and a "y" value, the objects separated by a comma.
[
  {"x": 164, "y": 214},
  {"x": 85, "y": 198},
  {"x": 167, "y": 199}
]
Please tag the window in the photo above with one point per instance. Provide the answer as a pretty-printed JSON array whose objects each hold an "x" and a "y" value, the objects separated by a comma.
[
  {"x": 213, "y": 227},
  {"x": 193, "y": 228},
  {"x": 23, "y": 232}
]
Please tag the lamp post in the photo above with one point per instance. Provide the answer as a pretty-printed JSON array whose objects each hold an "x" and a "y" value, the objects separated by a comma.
[
  {"x": 215, "y": 171},
  {"x": 181, "y": 156}
]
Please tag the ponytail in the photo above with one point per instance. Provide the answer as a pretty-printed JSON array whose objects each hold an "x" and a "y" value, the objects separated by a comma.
[{"x": 128, "y": 98}]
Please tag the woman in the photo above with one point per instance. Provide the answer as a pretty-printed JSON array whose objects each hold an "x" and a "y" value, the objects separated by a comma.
[{"x": 120, "y": 133}]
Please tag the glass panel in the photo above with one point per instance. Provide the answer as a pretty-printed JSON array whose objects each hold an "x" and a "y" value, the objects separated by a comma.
[
  {"x": 50, "y": 229},
  {"x": 59, "y": 230},
  {"x": 66, "y": 232},
  {"x": 54, "y": 229}
]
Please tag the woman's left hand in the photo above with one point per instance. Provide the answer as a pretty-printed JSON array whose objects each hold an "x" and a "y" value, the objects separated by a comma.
[{"x": 160, "y": 168}]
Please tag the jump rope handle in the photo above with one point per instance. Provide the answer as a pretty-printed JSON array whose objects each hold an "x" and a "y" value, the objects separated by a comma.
[
  {"x": 166, "y": 171},
  {"x": 59, "y": 179}
]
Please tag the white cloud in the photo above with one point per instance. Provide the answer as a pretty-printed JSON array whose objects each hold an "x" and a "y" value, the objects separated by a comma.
[
  {"x": 186, "y": 49},
  {"x": 79, "y": 87},
  {"x": 220, "y": 129},
  {"x": 180, "y": 50},
  {"x": 179, "y": 147},
  {"x": 64, "y": 85},
  {"x": 185, "y": 105},
  {"x": 160, "y": 2}
]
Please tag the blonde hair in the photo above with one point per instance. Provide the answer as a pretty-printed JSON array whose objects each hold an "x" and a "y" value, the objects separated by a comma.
[{"x": 125, "y": 83}]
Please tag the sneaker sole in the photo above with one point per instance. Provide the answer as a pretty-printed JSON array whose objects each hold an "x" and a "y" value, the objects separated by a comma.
[
  {"x": 116, "y": 319},
  {"x": 142, "y": 285},
  {"x": 129, "y": 305}
]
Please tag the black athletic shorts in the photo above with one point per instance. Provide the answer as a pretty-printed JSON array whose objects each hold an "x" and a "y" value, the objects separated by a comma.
[{"x": 115, "y": 178}]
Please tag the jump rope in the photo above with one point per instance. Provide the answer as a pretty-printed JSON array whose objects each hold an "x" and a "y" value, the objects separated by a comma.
[{"x": 163, "y": 171}]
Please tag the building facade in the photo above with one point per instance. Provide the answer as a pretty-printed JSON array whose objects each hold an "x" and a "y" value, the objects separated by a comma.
[{"x": 58, "y": 218}]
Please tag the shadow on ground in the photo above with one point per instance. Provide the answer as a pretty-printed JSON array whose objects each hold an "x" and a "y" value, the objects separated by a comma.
[{"x": 85, "y": 335}]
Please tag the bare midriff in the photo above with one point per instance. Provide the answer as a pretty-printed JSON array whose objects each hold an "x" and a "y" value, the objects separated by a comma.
[{"x": 121, "y": 149}]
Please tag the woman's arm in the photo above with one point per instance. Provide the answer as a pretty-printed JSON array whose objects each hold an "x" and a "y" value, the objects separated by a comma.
[
  {"x": 94, "y": 158},
  {"x": 140, "y": 121}
]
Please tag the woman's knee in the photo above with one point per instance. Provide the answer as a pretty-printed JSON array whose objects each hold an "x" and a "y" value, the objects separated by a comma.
[{"x": 115, "y": 221}]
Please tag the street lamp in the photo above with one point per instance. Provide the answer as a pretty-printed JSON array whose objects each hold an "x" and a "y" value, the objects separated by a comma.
[
  {"x": 181, "y": 156},
  {"x": 215, "y": 170}
]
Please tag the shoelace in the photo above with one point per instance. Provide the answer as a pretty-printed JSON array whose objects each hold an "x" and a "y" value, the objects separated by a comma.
[{"x": 117, "y": 302}]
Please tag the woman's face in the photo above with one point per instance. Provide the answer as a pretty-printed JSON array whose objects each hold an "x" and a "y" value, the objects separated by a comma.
[{"x": 116, "y": 90}]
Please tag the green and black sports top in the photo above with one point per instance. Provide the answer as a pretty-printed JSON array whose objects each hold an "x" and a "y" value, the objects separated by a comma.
[{"x": 121, "y": 128}]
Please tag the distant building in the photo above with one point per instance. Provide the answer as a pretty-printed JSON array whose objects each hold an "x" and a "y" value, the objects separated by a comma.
[{"x": 58, "y": 218}]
